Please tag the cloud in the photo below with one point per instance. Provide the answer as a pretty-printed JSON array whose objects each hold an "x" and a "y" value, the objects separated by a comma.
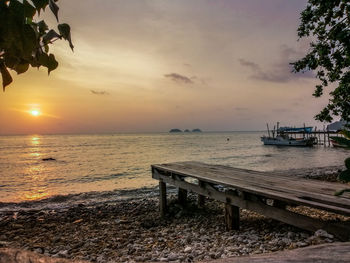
[
  {"x": 249, "y": 64},
  {"x": 280, "y": 71},
  {"x": 95, "y": 92},
  {"x": 179, "y": 78}
]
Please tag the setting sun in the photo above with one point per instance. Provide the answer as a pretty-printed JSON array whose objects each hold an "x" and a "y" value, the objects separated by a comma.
[{"x": 34, "y": 112}]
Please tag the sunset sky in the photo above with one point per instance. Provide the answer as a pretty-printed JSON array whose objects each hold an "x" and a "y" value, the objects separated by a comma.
[{"x": 143, "y": 66}]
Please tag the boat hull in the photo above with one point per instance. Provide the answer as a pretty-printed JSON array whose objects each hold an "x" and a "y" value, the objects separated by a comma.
[{"x": 286, "y": 142}]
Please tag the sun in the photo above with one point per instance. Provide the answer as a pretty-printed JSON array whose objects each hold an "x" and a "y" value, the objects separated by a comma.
[{"x": 34, "y": 113}]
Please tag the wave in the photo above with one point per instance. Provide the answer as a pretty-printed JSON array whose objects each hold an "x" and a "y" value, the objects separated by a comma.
[{"x": 58, "y": 202}]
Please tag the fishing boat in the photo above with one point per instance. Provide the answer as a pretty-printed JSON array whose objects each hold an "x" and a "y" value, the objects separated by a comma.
[{"x": 283, "y": 139}]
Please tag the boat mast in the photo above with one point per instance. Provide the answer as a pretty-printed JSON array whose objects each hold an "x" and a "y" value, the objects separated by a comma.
[{"x": 268, "y": 130}]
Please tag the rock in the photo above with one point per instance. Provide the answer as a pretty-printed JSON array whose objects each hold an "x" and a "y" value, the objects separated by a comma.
[
  {"x": 49, "y": 159},
  {"x": 323, "y": 233},
  {"x": 39, "y": 250},
  {"x": 188, "y": 249},
  {"x": 172, "y": 257},
  {"x": 301, "y": 244}
]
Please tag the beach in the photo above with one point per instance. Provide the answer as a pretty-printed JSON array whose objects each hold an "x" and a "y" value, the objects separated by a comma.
[{"x": 125, "y": 226}]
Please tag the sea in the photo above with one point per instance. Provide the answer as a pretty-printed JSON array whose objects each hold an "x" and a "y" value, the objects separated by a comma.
[{"x": 37, "y": 167}]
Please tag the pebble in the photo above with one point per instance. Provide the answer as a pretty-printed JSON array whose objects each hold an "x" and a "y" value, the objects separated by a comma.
[{"x": 187, "y": 249}]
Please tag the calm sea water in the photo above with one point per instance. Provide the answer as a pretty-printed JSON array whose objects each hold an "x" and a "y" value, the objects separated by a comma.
[{"x": 85, "y": 163}]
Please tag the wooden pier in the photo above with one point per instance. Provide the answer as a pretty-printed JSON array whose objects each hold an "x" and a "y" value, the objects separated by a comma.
[
  {"x": 266, "y": 193},
  {"x": 322, "y": 136}
]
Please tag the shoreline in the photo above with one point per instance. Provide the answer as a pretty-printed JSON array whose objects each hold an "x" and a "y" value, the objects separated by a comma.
[
  {"x": 328, "y": 173},
  {"x": 126, "y": 226}
]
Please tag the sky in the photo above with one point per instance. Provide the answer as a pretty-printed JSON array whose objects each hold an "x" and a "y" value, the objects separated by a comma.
[{"x": 153, "y": 65}]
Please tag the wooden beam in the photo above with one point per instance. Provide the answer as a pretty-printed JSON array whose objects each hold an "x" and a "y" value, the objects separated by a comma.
[
  {"x": 231, "y": 217},
  {"x": 162, "y": 198}
]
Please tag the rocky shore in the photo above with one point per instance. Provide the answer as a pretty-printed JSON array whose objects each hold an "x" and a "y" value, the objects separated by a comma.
[{"x": 131, "y": 230}]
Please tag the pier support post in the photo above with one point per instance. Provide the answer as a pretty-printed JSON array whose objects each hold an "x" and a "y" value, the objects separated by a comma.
[
  {"x": 162, "y": 198},
  {"x": 231, "y": 217},
  {"x": 201, "y": 198},
  {"x": 182, "y": 196}
]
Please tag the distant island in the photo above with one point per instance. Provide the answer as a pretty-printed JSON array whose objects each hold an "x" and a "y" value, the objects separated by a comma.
[
  {"x": 186, "y": 130},
  {"x": 175, "y": 130}
]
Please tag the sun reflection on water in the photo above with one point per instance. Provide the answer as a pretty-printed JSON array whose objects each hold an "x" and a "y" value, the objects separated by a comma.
[{"x": 35, "y": 173}]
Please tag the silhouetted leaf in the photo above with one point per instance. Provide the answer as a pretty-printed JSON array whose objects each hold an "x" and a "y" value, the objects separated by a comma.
[
  {"x": 29, "y": 10},
  {"x": 54, "y": 8},
  {"x": 40, "y": 4},
  {"x": 21, "y": 68},
  {"x": 52, "y": 34},
  {"x": 52, "y": 63},
  {"x": 64, "y": 30},
  {"x": 6, "y": 76},
  {"x": 42, "y": 26}
]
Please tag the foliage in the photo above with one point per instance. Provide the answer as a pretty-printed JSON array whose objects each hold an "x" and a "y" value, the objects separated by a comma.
[
  {"x": 25, "y": 42},
  {"x": 328, "y": 21}
]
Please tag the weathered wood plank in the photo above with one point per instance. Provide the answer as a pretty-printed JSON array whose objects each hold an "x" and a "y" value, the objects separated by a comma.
[
  {"x": 296, "y": 191},
  {"x": 339, "y": 229}
]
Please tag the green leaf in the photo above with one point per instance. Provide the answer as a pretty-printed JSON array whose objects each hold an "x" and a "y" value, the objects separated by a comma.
[
  {"x": 52, "y": 63},
  {"x": 344, "y": 176},
  {"x": 64, "y": 30},
  {"x": 6, "y": 76},
  {"x": 54, "y": 8}
]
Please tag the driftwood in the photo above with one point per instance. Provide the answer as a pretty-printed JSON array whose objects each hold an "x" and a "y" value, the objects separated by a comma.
[
  {"x": 11, "y": 255},
  {"x": 326, "y": 253}
]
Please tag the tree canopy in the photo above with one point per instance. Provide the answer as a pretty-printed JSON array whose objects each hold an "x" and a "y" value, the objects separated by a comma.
[
  {"x": 24, "y": 41},
  {"x": 327, "y": 22}
]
